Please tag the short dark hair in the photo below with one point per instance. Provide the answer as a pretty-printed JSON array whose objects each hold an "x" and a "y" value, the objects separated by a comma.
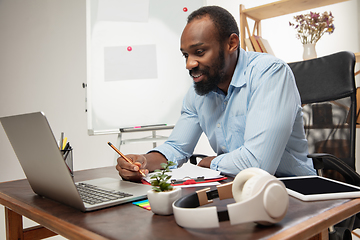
[{"x": 222, "y": 19}]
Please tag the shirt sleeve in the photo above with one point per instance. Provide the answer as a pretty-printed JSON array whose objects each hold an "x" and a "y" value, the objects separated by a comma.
[
  {"x": 272, "y": 108},
  {"x": 185, "y": 135}
]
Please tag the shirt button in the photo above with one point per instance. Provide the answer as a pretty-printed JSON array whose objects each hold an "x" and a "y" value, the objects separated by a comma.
[
  {"x": 223, "y": 147},
  {"x": 218, "y": 125}
]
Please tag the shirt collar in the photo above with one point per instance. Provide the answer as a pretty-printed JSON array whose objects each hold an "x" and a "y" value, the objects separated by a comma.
[{"x": 237, "y": 80}]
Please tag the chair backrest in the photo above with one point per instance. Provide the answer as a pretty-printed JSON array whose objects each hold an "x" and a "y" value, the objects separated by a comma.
[{"x": 328, "y": 94}]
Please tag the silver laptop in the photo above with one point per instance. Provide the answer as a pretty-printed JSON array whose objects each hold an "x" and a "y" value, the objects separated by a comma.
[{"x": 37, "y": 150}]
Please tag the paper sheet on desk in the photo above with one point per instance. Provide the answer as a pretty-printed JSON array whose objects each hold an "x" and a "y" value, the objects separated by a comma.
[{"x": 188, "y": 170}]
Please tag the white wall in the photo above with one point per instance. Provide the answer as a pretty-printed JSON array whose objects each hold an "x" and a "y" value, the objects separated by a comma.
[{"x": 43, "y": 66}]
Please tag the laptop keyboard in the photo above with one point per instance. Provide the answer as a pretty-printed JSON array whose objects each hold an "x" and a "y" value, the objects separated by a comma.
[{"x": 93, "y": 195}]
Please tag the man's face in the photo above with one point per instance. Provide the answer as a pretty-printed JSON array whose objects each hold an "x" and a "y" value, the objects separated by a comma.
[{"x": 204, "y": 54}]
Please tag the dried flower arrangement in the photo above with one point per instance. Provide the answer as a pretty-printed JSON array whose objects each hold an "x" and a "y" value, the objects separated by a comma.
[{"x": 311, "y": 27}]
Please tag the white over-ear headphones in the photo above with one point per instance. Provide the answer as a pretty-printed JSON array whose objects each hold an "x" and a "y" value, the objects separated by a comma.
[{"x": 260, "y": 197}]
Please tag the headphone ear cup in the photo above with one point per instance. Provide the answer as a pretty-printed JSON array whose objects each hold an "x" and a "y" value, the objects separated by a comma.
[
  {"x": 247, "y": 182},
  {"x": 276, "y": 199},
  {"x": 251, "y": 186},
  {"x": 261, "y": 192}
]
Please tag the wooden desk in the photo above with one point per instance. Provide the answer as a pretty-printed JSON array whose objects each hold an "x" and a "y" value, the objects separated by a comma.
[{"x": 127, "y": 221}]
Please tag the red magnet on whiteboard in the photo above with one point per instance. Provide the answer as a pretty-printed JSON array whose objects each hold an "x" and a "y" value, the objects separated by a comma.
[
  {"x": 129, "y": 48},
  {"x": 185, "y": 9}
]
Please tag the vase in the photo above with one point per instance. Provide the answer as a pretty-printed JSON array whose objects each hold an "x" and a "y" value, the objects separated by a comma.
[
  {"x": 161, "y": 202},
  {"x": 309, "y": 51}
]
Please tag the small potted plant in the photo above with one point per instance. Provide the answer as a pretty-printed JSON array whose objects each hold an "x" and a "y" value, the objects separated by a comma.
[{"x": 163, "y": 193}]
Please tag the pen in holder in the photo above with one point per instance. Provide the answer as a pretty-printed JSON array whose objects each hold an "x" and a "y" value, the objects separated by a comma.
[{"x": 68, "y": 158}]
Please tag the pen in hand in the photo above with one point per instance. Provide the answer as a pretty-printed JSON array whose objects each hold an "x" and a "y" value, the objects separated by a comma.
[{"x": 124, "y": 157}]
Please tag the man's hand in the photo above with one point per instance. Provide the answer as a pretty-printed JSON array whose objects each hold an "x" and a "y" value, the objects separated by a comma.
[
  {"x": 130, "y": 171},
  {"x": 205, "y": 162},
  {"x": 146, "y": 163}
]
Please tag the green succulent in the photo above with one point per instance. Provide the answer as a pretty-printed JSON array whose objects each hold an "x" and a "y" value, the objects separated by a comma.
[{"x": 160, "y": 179}]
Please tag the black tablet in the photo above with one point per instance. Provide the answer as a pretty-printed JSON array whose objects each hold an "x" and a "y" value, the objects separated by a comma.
[{"x": 312, "y": 188}]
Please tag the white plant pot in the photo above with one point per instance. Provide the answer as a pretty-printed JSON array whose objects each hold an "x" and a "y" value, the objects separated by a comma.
[{"x": 161, "y": 202}]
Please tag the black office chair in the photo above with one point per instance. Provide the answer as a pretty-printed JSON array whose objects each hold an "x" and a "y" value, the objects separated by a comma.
[
  {"x": 194, "y": 159},
  {"x": 328, "y": 94}
]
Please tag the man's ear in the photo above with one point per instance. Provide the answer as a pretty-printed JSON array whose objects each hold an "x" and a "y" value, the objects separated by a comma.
[{"x": 233, "y": 42}]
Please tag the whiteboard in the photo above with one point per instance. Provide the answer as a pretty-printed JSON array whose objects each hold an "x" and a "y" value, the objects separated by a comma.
[{"x": 136, "y": 72}]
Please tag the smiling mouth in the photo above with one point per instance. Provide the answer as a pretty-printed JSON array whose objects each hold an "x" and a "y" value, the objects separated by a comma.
[{"x": 196, "y": 77}]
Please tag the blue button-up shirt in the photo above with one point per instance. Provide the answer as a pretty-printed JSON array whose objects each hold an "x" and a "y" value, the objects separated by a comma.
[{"x": 258, "y": 123}]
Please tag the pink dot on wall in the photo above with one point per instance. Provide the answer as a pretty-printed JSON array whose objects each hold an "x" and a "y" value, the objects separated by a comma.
[
  {"x": 129, "y": 48},
  {"x": 185, "y": 9}
]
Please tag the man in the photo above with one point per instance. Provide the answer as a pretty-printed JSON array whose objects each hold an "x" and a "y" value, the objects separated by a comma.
[{"x": 246, "y": 103}]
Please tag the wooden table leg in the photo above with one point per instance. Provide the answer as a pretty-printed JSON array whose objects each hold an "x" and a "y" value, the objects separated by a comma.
[
  {"x": 13, "y": 225},
  {"x": 15, "y": 230}
]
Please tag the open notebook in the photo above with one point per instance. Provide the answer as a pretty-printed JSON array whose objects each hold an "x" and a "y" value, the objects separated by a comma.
[{"x": 38, "y": 153}]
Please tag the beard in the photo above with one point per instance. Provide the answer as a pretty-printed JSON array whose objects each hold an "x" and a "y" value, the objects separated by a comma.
[{"x": 212, "y": 81}]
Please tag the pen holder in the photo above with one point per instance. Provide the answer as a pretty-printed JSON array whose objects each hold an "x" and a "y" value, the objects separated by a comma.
[{"x": 68, "y": 158}]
